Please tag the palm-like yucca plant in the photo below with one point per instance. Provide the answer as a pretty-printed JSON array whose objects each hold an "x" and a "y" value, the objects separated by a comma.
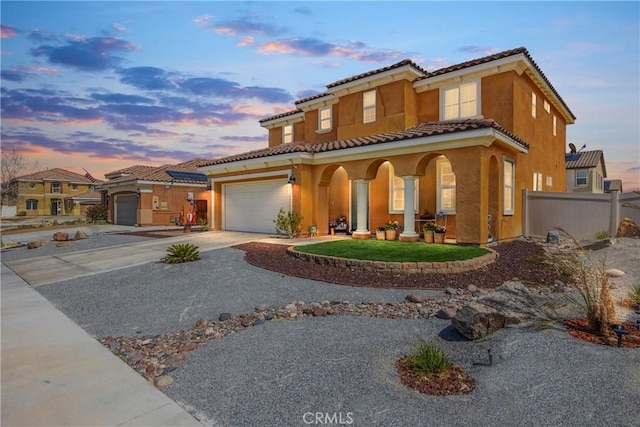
[
  {"x": 590, "y": 283},
  {"x": 182, "y": 252},
  {"x": 635, "y": 294},
  {"x": 429, "y": 359}
]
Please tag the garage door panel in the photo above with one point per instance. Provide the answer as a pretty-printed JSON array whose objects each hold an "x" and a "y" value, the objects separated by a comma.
[
  {"x": 253, "y": 206},
  {"x": 127, "y": 209}
]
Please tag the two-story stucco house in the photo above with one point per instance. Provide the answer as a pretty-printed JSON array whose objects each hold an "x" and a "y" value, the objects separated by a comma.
[
  {"x": 148, "y": 195},
  {"x": 54, "y": 192},
  {"x": 392, "y": 143},
  {"x": 586, "y": 171}
]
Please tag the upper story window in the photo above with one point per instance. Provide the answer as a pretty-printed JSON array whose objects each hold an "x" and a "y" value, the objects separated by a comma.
[
  {"x": 369, "y": 106},
  {"x": 446, "y": 182},
  {"x": 509, "y": 174},
  {"x": 461, "y": 101},
  {"x": 599, "y": 181},
  {"x": 324, "y": 119},
  {"x": 555, "y": 125},
  {"x": 74, "y": 187},
  {"x": 55, "y": 187},
  {"x": 32, "y": 205},
  {"x": 534, "y": 105},
  {"x": 581, "y": 178},
  {"x": 537, "y": 181},
  {"x": 547, "y": 107},
  {"x": 287, "y": 134}
]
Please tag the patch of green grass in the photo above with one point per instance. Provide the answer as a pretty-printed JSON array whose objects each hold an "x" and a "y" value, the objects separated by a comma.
[
  {"x": 429, "y": 359},
  {"x": 392, "y": 251}
]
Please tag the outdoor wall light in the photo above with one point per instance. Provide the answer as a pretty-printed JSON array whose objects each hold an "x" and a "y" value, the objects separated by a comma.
[
  {"x": 620, "y": 331},
  {"x": 291, "y": 180}
]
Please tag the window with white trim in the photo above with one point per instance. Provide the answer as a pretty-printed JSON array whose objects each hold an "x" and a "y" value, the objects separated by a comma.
[
  {"x": 555, "y": 125},
  {"x": 287, "y": 134},
  {"x": 32, "y": 205},
  {"x": 446, "y": 187},
  {"x": 509, "y": 176},
  {"x": 396, "y": 193},
  {"x": 537, "y": 181},
  {"x": 534, "y": 104},
  {"x": 549, "y": 181},
  {"x": 55, "y": 187},
  {"x": 581, "y": 178},
  {"x": 461, "y": 101},
  {"x": 547, "y": 107},
  {"x": 369, "y": 106},
  {"x": 324, "y": 119}
]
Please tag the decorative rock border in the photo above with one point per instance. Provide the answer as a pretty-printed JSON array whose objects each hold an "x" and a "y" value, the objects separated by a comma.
[{"x": 399, "y": 267}]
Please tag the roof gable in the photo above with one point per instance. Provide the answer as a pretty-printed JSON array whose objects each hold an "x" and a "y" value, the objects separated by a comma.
[
  {"x": 56, "y": 174},
  {"x": 585, "y": 160}
]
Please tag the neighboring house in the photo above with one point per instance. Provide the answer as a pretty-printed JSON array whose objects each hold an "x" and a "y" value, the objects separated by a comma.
[
  {"x": 392, "y": 143},
  {"x": 613, "y": 186},
  {"x": 54, "y": 192},
  {"x": 147, "y": 195},
  {"x": 585, "y": 171}
]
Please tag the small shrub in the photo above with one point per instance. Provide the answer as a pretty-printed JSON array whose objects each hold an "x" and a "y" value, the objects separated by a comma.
[
  {"x": 203, "y": 224},
  {"x": 181, "y": 252},
  {"x": 589, "y": 282},
  {"x": 635, "y": 294},
  {"x": 601, "y": 235},
  {"x": 96, "y": 213},
  {"x": 288, "y": 223},
  {"x": 429, "y": 359}
]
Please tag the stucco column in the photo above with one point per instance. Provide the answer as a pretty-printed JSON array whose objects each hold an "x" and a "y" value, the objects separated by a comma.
[
  {"x": 409, "y": 232},
  {"x": 362, "y": 232}
]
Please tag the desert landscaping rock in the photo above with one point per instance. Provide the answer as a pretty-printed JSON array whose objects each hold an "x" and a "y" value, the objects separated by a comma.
[
  {"x": 34, "y": 244},
  {"x": 80, "y": 235},
  {"x": 614, "y": 272},
  {"x": 224, "y": 316},
  {"x": 60, "y": 236},
  {"x": 628, "y": 228}
]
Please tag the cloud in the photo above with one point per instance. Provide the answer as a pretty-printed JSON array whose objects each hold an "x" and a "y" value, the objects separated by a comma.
[
  {"x": 147, "y": 78},
  {"x": 86, "y": 54},
  {"x": 247, "y": 25},
  {"x": 44, "y": 106},
  {"x": 22, "y": 73},
  {"x": 304, "y": 10},
  {"x": 40, "y": 36},
  {"x": 7, "y": 32},
  {"x": 121, "y": 98},
  {"x": 310, "y": 46},
  {"x": 478, "y": 50},
  {"x": 120, "y": 28}
]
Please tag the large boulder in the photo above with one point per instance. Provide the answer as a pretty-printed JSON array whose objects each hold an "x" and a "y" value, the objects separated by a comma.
[
  {"x": 60, "y": 236},
  {"x": 81, "y": 235},
  {"x": 34, "y": 244},
  {"x": 509, "y": 304},
  {"x": 628, "y": 228}
]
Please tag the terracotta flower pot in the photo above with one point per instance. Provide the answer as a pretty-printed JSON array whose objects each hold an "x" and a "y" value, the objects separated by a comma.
[
  {"x": 428, "y": 236},
  {"x": 391, "y": 234},
  {"x": 380, "y": 234},
  {"x": 438, "y": 237}
]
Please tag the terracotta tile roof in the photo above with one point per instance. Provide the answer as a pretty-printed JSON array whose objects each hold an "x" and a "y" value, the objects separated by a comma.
[
  {"x": 131, "y": 170},
  {"x": 89, "y": 195},
  {"x": 311, "y": 98},
  {"x": 279, "y": 116},
  {"x": 583, "y": 159},
  {"x": 426, "y": 74},
  {"x": 420, "y": 131},
  {"x": 56, "y": 174},
  {"x": 159, "y": 174},
  {"x": 378, "y": 71},
  {"x": 496, "y": 56}
]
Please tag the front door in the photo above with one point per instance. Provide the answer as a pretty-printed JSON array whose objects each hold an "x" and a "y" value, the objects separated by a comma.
[
  {"x": 201, "y": 210},
  {"x": 56, "y": 207}
]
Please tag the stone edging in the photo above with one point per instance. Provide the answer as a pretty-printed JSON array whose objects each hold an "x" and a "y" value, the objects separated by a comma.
[{"x": 399, "y": 267}]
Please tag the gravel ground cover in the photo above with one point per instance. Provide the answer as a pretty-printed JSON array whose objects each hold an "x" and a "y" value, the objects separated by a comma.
[{"x": 288, "y": 372}]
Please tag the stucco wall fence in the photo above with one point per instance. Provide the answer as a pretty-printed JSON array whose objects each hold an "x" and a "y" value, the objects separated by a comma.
[{"x": 399, "y": 267}]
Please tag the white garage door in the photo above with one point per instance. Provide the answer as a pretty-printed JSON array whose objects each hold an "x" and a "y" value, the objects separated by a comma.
[
  {"x": 253, "y": 206},
  {"x": 126, "y": 209}
]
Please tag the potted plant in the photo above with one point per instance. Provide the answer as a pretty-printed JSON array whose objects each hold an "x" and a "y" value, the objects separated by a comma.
[
  {"x": 380, "y": 232},
  {"x": 313, "y": 230},
  {"x": 439, "y": 233},
  {"x": 391, "y": 230},
  {"x": 332, "y": 227},
  {"x": 429, "y": 229}
]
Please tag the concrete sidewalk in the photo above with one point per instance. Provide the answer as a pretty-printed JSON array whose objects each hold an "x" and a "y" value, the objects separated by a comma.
[{"x": 55, "y": 374}]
